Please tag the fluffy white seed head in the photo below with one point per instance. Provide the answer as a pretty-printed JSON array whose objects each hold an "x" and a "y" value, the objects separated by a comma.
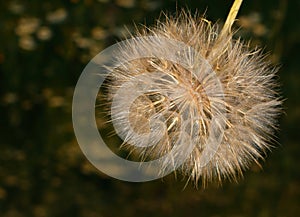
[{"x": 177, "y": 107}]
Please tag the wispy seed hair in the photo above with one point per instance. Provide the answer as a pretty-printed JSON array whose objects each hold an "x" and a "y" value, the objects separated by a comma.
[{"x": 251, "y": 99}]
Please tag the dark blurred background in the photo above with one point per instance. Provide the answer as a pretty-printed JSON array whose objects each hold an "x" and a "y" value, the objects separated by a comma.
[{"x": 44, "y": 46}]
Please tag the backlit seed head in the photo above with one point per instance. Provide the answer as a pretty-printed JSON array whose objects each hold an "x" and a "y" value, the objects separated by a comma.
[{"x": 185, "y": 105}]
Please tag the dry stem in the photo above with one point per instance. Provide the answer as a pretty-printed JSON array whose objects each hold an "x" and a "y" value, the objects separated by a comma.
[{"x": 231, "y": 17}]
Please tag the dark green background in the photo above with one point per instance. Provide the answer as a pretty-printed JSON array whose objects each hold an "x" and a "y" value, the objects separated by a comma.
[{"x": 42, "y": 170}]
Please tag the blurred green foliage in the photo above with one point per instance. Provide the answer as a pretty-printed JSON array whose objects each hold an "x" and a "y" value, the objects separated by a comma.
[{"x": 44, "y": 46}]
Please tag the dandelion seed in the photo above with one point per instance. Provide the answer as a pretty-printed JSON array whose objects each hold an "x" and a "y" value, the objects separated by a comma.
[{"x": 186, "y": 106}]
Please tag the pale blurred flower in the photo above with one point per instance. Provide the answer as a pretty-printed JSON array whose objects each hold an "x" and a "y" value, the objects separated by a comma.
[
  {"x": 10, "y": 98},
  {"x": 56, "y": 181},
  {"x": 98, "y": 33},
  {"x": 57, "y": 16},
  {"x": 56, "y": 101},
  {"x": 44, "y": 33},
  {"x": 249, "y": 20},
  {"x": 3, "y": 193},
  {"x": 126, "y": 3},
  {"x": 260, "y": 29},
  {"x": 27, "y": 43},
  {"x": 11, "y": 180},
  {"x": 83, "y": 42},
  {"x": 151, "y": 5},
  {"x": 104, "y": 1},
  {"x": 47, "y": 93},
  {"x": 252, "y": 22},
  {"x": 16, "y": 7},
  {"x": 27, "y": 26},
  {"x": 40, "y": 211},
  {"x": 26, "y": 104}
]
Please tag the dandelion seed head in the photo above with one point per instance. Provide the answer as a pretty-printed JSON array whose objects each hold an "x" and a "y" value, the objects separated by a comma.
[{"x": 171, "y": 105}]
